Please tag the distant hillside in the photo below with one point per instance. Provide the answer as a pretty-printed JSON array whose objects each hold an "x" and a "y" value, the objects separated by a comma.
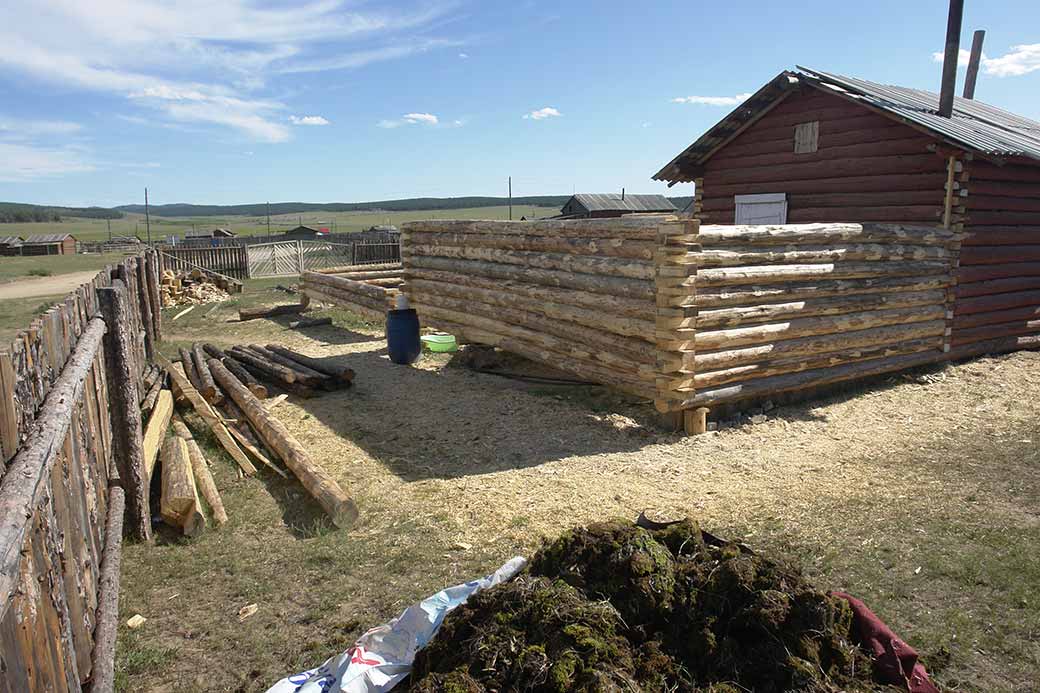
[
  {"x": 17, "y": 213},
  {"x": 408, "y": 205}
]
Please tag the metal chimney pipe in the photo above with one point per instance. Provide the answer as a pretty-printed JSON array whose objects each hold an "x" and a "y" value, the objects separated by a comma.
[
  {"x": 973, "y": 64},
  {"x": 953, "y": 47}
]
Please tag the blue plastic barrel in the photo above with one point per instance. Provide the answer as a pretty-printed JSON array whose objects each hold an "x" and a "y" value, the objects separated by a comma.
[{"x": 402, "y": 336}]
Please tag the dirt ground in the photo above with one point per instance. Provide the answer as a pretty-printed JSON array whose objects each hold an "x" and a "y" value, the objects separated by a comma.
[
  {"x": 919, "y": 494},
  {"x": 44, "y": 286}
]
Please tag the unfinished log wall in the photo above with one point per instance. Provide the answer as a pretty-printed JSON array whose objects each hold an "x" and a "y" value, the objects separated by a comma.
[
  {"x": 368, "y": 290},
  {"x": 687, "y": 315},
  {"x": 782, "y": 308},
  {"x": 998, "y": 284},
  {"x": 56, "y": 441},
  {"x": 602, "y": 299}
]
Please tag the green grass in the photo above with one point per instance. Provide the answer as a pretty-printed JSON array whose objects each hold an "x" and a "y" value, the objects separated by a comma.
[
  {"x": 17, "y": 313},
  {"x": 340, "y": 222},
  {"x": 12, "y": 268}
]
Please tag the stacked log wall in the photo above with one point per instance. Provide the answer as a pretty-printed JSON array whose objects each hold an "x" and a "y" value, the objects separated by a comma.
[
  {"x": 783, "y": 308},
  {"x": 367, "y": 290},
  {"x": 997, "y": 304},
  {"x": 579, "y": 295},
  {"x": 867, "y": 167},
  {"x": 51, "y": 551}
]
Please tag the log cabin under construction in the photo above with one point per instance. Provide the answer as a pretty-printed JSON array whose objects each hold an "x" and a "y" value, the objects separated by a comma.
[{"x": 811, "y": 146}]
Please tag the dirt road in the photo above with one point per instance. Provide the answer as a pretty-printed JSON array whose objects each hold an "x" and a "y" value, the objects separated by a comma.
[{"x": 44, "y": 286}]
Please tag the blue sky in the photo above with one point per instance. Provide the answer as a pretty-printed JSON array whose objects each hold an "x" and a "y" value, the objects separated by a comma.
[{"x": 339, "y": 100}]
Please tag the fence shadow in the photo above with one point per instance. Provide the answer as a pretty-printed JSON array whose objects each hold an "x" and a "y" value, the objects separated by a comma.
[
  {"x": 445, "y": 423},
  {"x": 326, "y": 334}
]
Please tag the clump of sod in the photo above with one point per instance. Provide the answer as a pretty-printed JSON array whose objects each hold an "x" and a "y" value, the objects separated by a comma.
[{"x": 616, "y": 607}]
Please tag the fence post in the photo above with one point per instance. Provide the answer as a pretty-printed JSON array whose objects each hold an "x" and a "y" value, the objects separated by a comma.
[
  {"x": 299, "y": 256},
  {"x": 125, "y": 409}
]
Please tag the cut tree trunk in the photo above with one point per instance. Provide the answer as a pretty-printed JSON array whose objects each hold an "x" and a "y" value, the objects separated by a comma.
[
  {"x": 180, "y": 384},
  {"x": 341, "y": 509},
  {"x": 102, "y": 670},
  {"x": 254, "y": 385},
  {"x": 304, "y": 375},
  {"x": 274, "y": 371},
  {"x": 203, "y": 478},
  {"x": 341, "y": 373},
  {"x": 312, "y": 322},
  {"x": 209, "y": 389},
  {"x": 268, "y": 312},
  {"x": 179, "y": 506}
]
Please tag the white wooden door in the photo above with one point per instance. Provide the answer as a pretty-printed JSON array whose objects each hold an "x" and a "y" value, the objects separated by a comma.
[{"x": 764, "y": 208}]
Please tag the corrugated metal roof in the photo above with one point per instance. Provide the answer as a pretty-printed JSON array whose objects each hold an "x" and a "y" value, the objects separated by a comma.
[
  {"x": 612, "y": 202},
  {"x": 974, "y": 125},
  {"x": 46, "y": 238},
  {"x": 10, "y": 240}
]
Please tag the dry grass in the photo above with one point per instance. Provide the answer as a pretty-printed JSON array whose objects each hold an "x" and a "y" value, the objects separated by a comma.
[{"x": 920, "y": 495}]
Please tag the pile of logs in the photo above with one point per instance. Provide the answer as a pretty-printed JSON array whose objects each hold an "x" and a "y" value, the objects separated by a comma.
[
  {"x": 189, "y": 287},
  {"x": 368, "y": 290},
  {"x": 224, "y": 389}
]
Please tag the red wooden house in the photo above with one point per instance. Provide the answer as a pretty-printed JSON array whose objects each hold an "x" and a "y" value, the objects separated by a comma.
[{"x": 812, "y": 147}]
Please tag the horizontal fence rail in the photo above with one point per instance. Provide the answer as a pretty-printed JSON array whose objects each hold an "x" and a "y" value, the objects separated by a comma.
[{"x": 289, "y": 258}]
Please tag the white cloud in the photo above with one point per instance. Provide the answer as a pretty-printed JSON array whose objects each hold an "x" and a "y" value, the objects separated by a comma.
[
  {"x": 464, "y": 56},
  {"x": 20, "y": 163},
  {"x": 1020, "y": 60},
  {"x": 207, "y": 63},
  {"x": 410, "y": 119},
  {"x": 16, "y": 128},
  {"x": 308, "y": 120},
  {"x": 542, "y": 114},
  {"x": 427, "y": 118},
  {"x": 714, "y": 100}
]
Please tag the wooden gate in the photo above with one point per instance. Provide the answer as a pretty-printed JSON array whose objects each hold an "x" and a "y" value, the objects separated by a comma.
[{"x": 274, "y": 259}]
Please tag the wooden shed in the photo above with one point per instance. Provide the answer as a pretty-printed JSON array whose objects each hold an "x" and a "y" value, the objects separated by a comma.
[
  {"x": 811, "y": 146},
  {"x": 301, "y": 233},
  {"x": 10, "y": 245},
  {"x": 49, "y": 244},
  {"x": 605, "y": 205}
]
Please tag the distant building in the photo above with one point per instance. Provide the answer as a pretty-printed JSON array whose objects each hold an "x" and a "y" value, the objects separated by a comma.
[
  {"x": 49, "y": 244},
  {"x": 10, "y": 245},
  {"x": 302, "y": 233},
  {"x": 598, "y": 205},
  {"x": 209, "y": 233}
]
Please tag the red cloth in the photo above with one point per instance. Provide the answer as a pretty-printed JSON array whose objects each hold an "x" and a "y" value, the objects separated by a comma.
[{"x": 895, "y": 662}]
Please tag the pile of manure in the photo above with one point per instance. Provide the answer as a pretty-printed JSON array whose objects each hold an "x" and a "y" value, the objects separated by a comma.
[{"x": 616, "y": 607}]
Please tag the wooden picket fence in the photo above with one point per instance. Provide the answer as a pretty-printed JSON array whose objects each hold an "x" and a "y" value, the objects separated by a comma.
[
  {"x": 229, "y": 260},
  {"x": 64, "y": 383}
]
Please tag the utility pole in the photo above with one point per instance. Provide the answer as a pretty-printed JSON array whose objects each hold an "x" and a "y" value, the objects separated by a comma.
[
  {"x": 147, "y": 218},
  {"x": 268, "y": 218},
  {"x": 510, "y": 198},
  {"x": 109, "y": 229}
]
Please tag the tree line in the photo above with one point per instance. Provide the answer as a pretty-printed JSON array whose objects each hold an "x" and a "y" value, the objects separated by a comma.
[{"x": 15, "y": 213}]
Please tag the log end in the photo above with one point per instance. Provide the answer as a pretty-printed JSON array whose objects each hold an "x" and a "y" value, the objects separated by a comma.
[
  {"x": 345, "y": 514},
  {"x": 259, "y": 391}
]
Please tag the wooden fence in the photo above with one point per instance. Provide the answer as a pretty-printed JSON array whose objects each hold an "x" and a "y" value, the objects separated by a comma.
[
  {"x": 691, "y": 316},
  {"x": 229, "y": 260},
  {"x": 63, "y": 436},
  {"x": 288, "y": 258}
]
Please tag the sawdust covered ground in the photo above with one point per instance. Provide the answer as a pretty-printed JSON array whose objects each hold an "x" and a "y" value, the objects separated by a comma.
[{"x": 919, "y": 494}]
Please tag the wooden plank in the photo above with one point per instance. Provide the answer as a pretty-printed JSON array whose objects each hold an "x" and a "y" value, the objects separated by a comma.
[
  {"x": 999, "y": 254},
  {"x": 155, "y": 432}
]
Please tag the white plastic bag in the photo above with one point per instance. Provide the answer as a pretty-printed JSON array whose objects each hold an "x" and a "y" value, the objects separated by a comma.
[{"x": 383, "y": 656}]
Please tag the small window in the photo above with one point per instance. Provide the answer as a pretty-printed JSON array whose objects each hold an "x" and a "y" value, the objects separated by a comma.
[
  {"x": 765, "y": 208},
  {"x": 807, "y": 137}
]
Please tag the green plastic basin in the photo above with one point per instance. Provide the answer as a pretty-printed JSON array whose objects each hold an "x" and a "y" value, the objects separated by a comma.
[{"x": 440, "y": 342}]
